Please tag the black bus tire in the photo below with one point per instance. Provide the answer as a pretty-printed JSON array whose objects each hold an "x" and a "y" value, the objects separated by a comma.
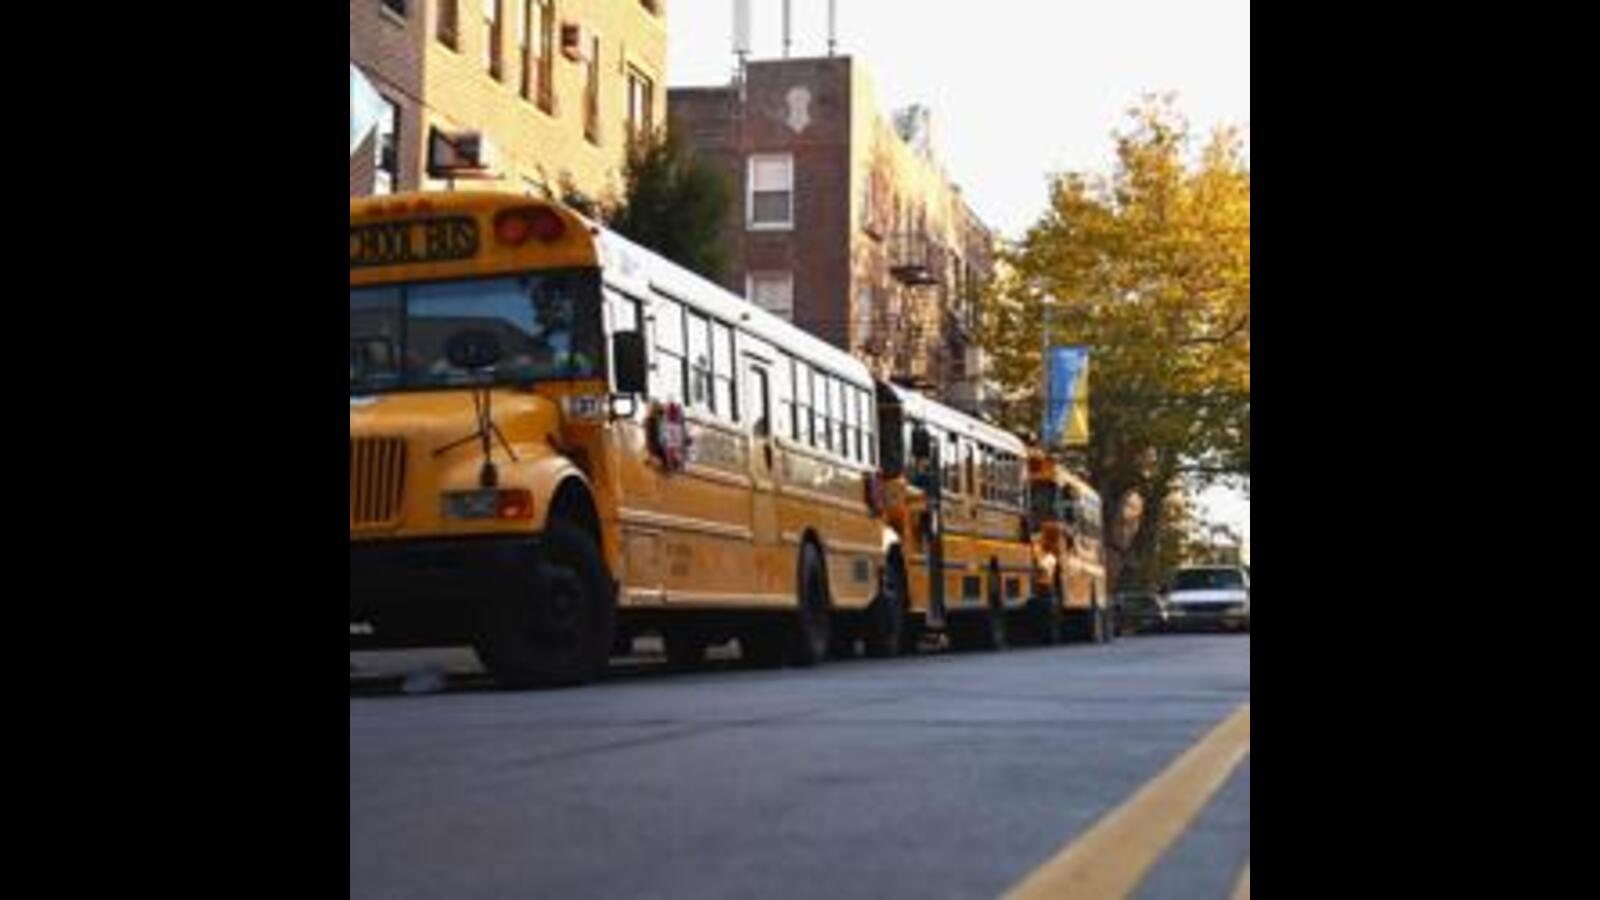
[
  {"x": 559, "y": 630},
  {"x": 812, "y": 634},
  {"x": 886, "y": 619}
]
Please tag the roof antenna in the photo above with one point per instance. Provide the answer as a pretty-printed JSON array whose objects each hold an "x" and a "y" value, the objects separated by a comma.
[
  {"x": 786, "y": 21},
  {"x": 741, "y": 40}
]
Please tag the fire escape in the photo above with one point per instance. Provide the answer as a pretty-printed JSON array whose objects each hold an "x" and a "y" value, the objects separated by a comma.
[{"x": 918, "y": 262}]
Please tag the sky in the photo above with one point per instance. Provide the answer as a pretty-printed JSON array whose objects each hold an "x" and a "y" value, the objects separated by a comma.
[{"x": 1018, "y": 88}]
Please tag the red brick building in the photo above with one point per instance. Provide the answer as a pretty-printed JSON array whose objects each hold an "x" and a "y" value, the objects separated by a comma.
[{"x": 844, "y": 221}]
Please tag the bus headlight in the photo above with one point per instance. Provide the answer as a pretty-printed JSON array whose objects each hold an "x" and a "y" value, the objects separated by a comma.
[{"x": 505, "y": 503}]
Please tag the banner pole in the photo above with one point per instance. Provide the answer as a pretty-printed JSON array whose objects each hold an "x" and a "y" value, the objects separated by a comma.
[{"x": 1045, "y": 367}]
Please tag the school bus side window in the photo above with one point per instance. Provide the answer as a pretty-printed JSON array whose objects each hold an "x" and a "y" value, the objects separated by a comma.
[
  {"x": 819, "y": 409},
  {"x": 841, "y": 418},
  {"x": 952, "y": 466},
  {"x": 667, "y": 378},
  {"x": 700, "y": 361},
  {"x": 723, "y": 394},
  {"x": 826, "y": 389},
  {"x": 847, "y": 393},
  {"x": 783, "y": 411},
  {"x": 805, "y": 431},
  {"x": 841, "y": 431},
  {"x": 864, "y": 417}
]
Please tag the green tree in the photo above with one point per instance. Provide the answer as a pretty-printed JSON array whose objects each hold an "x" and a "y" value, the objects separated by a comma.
[
  {"x": 673, "y": 203},
  {"x": 1150, "y": 269}
]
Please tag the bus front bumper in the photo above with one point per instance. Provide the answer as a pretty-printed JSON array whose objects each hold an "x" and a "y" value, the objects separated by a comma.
[{"x": 433, "y": 592}]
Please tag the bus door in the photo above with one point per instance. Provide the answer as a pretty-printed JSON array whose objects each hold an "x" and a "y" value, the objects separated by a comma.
[{"x": 928, "y": 476}]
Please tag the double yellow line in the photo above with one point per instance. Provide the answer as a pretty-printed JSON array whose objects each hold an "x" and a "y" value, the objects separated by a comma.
[{"x": 1111, "y": 858}]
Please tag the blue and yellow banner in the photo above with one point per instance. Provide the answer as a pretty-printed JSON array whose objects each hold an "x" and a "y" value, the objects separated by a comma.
[{"x": 1066, "y": 403}]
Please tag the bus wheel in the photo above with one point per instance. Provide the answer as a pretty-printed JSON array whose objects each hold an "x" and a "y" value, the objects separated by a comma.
[
  {"x": 686, "y": 648},
  {"x": 558, "y": 631},
  {"x": 886, "y": 619},
  {"x": 1047, "y": 618},
  {"x": 812, "y": 624}
]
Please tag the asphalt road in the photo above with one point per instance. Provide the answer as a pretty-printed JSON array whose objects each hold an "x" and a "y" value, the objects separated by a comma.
[{"x": 932, "y": 776}]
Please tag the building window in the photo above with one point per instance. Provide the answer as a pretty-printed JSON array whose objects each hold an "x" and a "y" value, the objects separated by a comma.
[
  {"x": 386, "y": 174},
  {"x": 863, "y": 316},
  {"x": 641, "y": 92},
  {"x": 449, "y": 31},
  {"x": 525, "y": 54},
  {"x": 398, "y": 7},
  {"x": 773, "y": 292},
  {"x": 528, "y": 16},
  {"x": 591, "y": 93},
  {"x": 536, "y": 45},
  {"x": 771, "y": 199},
  {"x": 491, "y": 46}
]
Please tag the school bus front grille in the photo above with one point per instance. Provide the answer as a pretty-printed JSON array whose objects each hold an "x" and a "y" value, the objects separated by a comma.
[{"x": 377, "y": 481}]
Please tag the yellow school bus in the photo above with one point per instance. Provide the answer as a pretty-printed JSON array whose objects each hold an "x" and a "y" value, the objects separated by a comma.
[
  {"x": 558, "y": 437},
  {"x": 1069, "y": 570},
  {"x": 956, "y": 500}
]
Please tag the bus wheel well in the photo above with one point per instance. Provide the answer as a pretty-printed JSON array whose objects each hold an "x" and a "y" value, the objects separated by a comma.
[
  {"x": 573, "y": 504},
  {"x": 810, "y": 537}
]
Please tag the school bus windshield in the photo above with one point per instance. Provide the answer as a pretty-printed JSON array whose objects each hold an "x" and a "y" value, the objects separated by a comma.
[{"x": 547, "y": 326}]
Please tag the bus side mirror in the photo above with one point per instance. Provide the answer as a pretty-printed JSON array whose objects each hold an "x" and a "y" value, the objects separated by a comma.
[{"x": 627, "y": 355}]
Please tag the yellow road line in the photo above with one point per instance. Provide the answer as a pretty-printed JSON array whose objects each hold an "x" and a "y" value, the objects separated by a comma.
[
  {"x": 1110, "y": 858},
  {"x": 1241, "y": 891}
]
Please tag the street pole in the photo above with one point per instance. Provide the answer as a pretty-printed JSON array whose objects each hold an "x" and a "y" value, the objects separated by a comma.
[{"x": 1049, "y": 382}]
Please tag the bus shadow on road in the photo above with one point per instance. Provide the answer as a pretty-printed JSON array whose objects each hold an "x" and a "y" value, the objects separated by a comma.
[{"x": 421, "y": 673}]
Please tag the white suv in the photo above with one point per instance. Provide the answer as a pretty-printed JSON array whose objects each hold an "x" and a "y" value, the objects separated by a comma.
[{"x": 1215, "y": 595}]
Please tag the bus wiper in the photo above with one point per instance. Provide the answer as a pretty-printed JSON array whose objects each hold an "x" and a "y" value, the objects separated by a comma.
[{"x": 477, "y": 351}]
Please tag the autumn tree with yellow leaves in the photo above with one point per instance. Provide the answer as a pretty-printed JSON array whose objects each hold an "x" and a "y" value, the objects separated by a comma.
[{"x": 1150, "y": 269}]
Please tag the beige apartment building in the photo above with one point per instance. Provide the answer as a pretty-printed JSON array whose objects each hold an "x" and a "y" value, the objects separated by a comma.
[{"x": 544, "y": 92}]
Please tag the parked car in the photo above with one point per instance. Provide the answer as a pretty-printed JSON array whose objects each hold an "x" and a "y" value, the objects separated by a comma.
[
  {"x": 1209, "y": 595},
  {"x": 1140, "y": 610}
]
